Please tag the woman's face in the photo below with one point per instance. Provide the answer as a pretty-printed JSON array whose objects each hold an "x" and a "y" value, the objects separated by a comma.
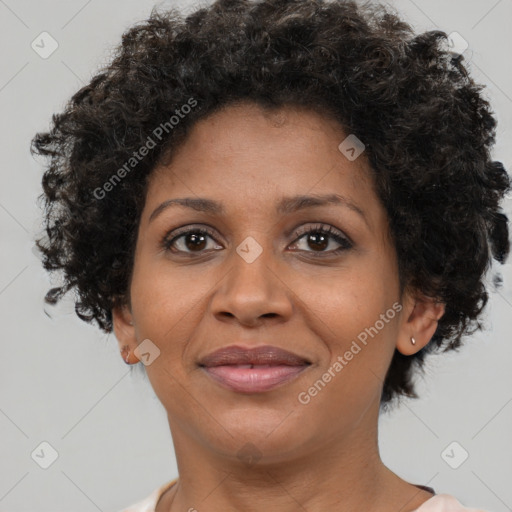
[{"x": 257, "y": 278}]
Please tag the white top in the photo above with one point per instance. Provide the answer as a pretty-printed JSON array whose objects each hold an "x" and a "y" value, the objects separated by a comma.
[{"x": 438, "y": 503}]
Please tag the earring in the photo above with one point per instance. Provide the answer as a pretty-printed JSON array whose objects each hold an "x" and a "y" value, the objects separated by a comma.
[{"x": 413, "y": 341}]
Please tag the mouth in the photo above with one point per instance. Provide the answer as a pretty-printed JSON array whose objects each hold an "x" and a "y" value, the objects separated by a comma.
[{"x": 253, "y": 370}]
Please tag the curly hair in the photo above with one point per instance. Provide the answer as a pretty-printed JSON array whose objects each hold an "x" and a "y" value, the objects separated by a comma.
[{"x": 427, "y": 129}]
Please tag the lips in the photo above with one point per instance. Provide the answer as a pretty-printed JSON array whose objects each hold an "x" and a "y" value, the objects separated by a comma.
[
  {"x": 265, "y": 355},
  {"x": 252, "y": 370}
]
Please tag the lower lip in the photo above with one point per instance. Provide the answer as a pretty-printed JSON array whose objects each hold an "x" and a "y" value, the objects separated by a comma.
[{"x": 253, "y": 380}]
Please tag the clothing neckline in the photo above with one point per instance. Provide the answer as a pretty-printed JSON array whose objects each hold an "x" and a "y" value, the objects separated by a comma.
[
  {"x": 164, "y": 488},
  {"x": 426, "y": 488}
]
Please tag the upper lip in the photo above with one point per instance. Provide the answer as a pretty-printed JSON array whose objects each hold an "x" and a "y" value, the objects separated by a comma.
[{"x": 266, "y": 354}]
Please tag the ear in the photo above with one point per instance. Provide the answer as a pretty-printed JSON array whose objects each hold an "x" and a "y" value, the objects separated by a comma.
[
  {"x": 124, "y": 330},
  {"x": 419, "y": 321}
]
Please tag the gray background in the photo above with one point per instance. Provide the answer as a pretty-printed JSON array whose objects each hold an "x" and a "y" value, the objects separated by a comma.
[{"x": 63, "y": 381}]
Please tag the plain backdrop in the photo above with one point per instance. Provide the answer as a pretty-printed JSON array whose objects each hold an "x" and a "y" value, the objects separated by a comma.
[{"x": 63, "y": 382}]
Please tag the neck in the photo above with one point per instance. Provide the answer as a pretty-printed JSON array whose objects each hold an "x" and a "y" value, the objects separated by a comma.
[{"x": 338, "y": 474}]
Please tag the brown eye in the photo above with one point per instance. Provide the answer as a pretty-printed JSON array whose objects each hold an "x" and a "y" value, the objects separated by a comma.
[
  {"x": 317, "y": 241},
  {"x": 320, "y": 238},
  {"x": 190, "y": 240},
  {"x": 193, "y": 241}
]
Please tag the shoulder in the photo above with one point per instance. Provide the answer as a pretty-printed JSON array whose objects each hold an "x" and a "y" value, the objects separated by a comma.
[
  {"x": 148, "y": 504},
  {"x": 445, "y": 503}
]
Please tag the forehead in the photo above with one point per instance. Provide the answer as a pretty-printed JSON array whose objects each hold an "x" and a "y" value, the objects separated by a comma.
[
  {"x": 249, "y": 160},
  {"x": 287, "y": 144}
]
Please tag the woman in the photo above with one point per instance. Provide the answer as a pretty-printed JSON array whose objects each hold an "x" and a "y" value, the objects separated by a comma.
[{"x": 279, "y": 208}]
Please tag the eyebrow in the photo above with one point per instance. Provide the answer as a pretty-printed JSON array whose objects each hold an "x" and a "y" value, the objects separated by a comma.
[{"x": 287, "y": 205}]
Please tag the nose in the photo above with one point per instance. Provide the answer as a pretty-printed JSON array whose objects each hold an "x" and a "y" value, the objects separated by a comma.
[{"x": 251, "y": 292}]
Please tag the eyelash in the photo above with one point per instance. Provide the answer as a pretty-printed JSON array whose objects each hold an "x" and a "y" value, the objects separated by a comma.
[{"x": 167, "y": 242}]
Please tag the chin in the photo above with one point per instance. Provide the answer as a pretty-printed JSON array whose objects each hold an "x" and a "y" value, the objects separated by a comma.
[{"x": 267, "y": 438}]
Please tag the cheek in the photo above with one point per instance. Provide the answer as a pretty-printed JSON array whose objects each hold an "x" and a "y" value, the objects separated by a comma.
[
  {"x": 167, "y": 307},
  {"x": 355, "y": 320},
  {"x": 161, "y": 296},
  {"x": 346, "y": 303},
  {"x": 358, "y": 347}
]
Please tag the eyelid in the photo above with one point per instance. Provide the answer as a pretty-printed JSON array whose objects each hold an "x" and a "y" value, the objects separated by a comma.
[
  {"x": 191, "y": 227},
  {"x": 321, "y": 227}
]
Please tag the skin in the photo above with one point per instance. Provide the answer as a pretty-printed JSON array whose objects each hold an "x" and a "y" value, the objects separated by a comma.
[{"x": 319, "y": 456}]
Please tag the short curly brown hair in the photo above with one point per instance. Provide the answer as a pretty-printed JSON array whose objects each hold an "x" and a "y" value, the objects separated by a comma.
[{"x": 427, "y": 129}]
